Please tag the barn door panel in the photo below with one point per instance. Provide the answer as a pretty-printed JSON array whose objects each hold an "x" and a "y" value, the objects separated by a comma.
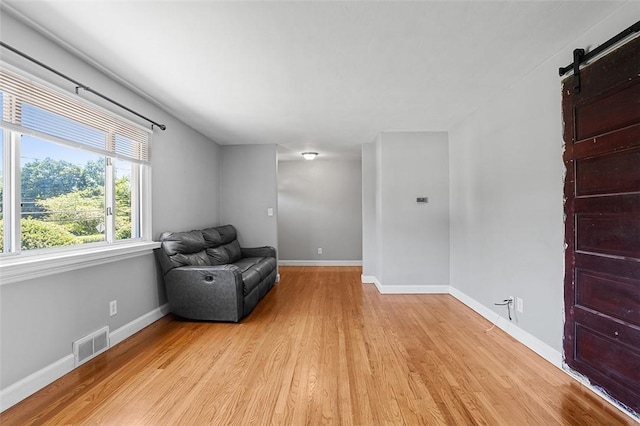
[{"x": 602, "y": 223}]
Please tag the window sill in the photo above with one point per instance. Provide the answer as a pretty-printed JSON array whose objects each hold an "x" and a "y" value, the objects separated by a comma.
[{"x": 20, "y": 268}]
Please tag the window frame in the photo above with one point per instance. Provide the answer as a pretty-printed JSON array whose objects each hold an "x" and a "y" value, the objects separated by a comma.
[{"x": 17, "y": 265}]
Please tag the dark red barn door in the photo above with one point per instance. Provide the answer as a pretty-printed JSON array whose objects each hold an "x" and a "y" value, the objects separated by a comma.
[{"x": 602, "y": 225}]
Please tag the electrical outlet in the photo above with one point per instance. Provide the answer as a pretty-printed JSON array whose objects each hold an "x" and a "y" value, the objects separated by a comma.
[
  {"x": 319, "y": 250},
  {"x": 519, "y": 305},
  {"x": 113, "y": 307}
]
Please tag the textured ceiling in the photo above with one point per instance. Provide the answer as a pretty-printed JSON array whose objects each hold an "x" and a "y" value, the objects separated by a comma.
[{"x": 323, "y": 76}]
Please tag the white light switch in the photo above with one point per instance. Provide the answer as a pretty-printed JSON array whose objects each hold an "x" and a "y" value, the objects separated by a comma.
[{"x": 269, "y": 211}]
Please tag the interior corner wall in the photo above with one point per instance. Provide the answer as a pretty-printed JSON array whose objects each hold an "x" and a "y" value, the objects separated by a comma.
[
  {"x": 369, "y": 239},
  {"x": 378, "y": 212},
  {"x": 248, "y": 188},
  {"x": 507, "y": 230},
  {"x": 411, "y": 239},
  {"x": 320, "y": 206},
  {"x": 40, "y": 318}
]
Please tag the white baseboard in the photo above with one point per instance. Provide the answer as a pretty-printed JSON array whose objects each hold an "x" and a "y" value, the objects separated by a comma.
[
  {"x": 600, "y": 392},
  {"x": 320, "y": 262},
  {"x": 21, "y": 389},
  {"x": 404, "y": 289},
  {"x": 413, "y": 289},
  {"x": 530, "y": 341},
  {"x": 24, "y": 388},
  {"x": 369, "y": 279},
  {"x": 538, "y": 346},
  {"x": 137, "y": 324}
]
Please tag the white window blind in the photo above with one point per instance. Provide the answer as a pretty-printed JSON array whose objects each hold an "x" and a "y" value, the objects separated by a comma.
[{"x": 35, "y": 109}]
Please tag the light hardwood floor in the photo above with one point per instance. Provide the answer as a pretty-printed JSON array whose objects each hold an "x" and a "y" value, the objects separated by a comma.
[{"x": 321, "y": 348}]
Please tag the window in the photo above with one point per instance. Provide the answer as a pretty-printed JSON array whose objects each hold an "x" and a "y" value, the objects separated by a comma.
[{"x": 72, "y": 176}]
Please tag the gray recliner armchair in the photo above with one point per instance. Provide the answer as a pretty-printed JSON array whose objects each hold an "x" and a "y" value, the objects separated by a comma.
[{"x": 208, "y": 276}]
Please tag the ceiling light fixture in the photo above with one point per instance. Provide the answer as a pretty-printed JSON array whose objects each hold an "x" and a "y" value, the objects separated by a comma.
[{"x": 309, "y": 155}]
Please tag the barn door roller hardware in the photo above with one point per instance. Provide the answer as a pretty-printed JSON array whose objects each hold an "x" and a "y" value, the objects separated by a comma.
[{"x": 580, "y": 57}]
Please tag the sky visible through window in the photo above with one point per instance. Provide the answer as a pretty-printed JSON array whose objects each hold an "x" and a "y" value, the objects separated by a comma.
[{"x": 34, "y": 149}]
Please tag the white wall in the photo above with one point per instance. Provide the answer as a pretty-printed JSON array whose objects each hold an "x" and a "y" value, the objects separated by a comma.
[
  {"x": 507, "y": 230},
  {"x": 186, "y": 179},
  {"x": 40, "y": 318},
  {"x": 411, "y": 239},
  {"x": 248, "y": 188},
  {"x": 320, "y": 206}
]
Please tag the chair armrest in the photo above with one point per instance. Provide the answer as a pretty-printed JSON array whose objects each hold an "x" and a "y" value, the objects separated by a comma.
[
  {"x": 266, "y": 251},
  {"x": 211, "y": 293}
]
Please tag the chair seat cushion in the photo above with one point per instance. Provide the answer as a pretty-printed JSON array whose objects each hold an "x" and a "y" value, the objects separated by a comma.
[
  {"x": 265, "y": 266},
  {"x": 251, "y": 279},
  {"x": 254, "y": 270},
  {"x": 247, "y": 262}
]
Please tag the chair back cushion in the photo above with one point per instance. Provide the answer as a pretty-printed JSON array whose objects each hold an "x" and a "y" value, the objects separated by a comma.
[
  {"x": 227, "y": 233},
  {"x": 212, "y": 237},
  {"x": 233, "y": 250},
  {"x": 210, "y": 246},
  {"x": 184, "y": 248}
]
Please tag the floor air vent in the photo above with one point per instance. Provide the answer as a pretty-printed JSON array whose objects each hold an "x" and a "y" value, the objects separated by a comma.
[{"x": 89, "y": 346}]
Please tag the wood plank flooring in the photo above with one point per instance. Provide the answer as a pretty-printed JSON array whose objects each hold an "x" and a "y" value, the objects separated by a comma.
[{"x": 321, "y": 348}]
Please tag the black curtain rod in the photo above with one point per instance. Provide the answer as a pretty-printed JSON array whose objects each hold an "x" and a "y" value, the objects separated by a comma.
[
  {"x": 80, "y": 85},
  {"x": 579, "y": 55}
]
